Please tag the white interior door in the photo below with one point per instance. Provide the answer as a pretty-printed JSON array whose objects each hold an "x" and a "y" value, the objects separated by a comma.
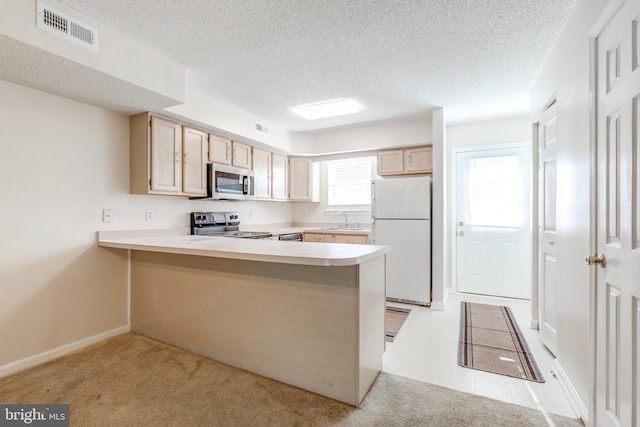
[
  {"x": 547, "y": 251},
  {"x": 493, "y": 225},
  {"x": 618, "y": 220}
]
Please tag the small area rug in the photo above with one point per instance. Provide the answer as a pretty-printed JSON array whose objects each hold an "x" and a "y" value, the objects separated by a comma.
[
  {"x": 490, "y": 340},
  {"x": 394, "y": 320}
]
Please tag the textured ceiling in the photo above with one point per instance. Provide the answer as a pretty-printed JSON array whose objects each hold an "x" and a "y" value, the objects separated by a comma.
[
  {"x": 72, "y": 80},
  {"x": 476, "y": 58}
]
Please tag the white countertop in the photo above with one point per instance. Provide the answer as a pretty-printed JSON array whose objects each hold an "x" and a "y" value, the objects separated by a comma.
[{"x": 286, "y": 252}]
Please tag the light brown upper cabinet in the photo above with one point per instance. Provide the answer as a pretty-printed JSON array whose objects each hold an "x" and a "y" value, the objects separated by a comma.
[
  {"x": 279, "y": 177},
  {"x": 166, "y": 158},
  {"x": 195, "y": 145},
  {"x": 270, "y": 175},
  {"x": 303, "y": 180},
  {"x": 242, "y": 155},
  {"x": 227, "y": 152},
  {"x": 262, "y": 173},
  {"x": 400, "y": 161},
  {"x": 219, "y": 149},
  {"x": 418, "y": 159},
  {"x": 390, "y": 161}
]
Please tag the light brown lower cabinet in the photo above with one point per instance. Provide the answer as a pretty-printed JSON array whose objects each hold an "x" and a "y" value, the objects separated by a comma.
[{"x": 356, "y": 239}]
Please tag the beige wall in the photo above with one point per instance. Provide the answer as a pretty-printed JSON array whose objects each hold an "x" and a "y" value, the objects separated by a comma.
[
  {"x": 60, "y": 164},
  {"x": 399, "y": 133},
  {"x": 499, "y": 131},
  {"x": 565, "y": 78},
  {"x": 63, "y": 162},
  {"x": 362, "y": 140}
]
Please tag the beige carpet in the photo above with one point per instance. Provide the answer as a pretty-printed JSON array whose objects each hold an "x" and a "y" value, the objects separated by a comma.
[{"x": 130, "y": 380}]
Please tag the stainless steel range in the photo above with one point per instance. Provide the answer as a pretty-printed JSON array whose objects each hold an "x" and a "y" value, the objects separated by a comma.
[{"x": 225, "y": 224}]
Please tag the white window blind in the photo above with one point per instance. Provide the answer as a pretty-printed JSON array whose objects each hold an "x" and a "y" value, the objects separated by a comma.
[{"x": 349, "y": 182}]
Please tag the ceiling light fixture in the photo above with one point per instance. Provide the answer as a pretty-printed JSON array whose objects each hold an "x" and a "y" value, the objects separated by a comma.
[{"x": 320, "y": 110}]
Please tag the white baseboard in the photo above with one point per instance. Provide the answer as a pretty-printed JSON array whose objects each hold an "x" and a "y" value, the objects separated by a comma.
[
  {"x": 437, "y": 306},
  {"x": 533, "y": 324},
  {"x": 575, "y": 401},
  {"x": 31, "y": 361}
]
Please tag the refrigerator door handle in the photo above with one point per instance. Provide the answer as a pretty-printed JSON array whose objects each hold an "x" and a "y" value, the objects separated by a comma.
[{"x": 373, "y": 199}]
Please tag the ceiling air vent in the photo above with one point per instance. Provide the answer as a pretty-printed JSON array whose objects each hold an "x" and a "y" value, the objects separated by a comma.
[
  {"x": 67, "y": 27},
  {"x": 262, "y": 128}
]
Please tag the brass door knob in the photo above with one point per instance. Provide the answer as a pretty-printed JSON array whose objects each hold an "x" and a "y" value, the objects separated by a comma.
[{"x": 597, "y": 259}]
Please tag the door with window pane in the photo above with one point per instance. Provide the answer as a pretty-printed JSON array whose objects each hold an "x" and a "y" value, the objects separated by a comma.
[{"x": 493, "y": 230}]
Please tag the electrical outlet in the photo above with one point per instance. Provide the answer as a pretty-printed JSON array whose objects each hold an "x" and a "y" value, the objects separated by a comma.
[
  {"x": 250, "y": 214},
  {"x": 150, "y": 213},
  {"x": 107, "y": 215}
]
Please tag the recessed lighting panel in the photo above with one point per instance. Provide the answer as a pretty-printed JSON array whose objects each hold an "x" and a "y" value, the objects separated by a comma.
[{"x": 320, "y": 110}]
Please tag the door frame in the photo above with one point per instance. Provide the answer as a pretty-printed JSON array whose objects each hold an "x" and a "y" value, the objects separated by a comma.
[
  {"x": 454, "y": 208},
  {"x": 535, "y": 234},
  {"x": 601, "y": 23}
]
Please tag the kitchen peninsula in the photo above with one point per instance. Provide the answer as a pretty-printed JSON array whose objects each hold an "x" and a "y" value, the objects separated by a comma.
[{"x": 306, "y": 314}]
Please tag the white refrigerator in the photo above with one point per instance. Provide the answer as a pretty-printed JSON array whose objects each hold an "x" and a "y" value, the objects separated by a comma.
[{"x": 401, "y": 218}]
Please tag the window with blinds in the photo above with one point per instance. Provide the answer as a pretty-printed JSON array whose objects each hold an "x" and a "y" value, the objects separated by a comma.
[{"x": 349, "y": 182}]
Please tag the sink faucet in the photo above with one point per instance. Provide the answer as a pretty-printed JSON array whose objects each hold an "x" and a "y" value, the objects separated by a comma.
[{"x": 346, "y": 220}]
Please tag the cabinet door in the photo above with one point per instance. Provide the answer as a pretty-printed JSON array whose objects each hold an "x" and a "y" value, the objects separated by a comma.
[
  {"x": 219, "y": 150},
  {"x": 194, "y": 162},
  {"x": 262, "y": 173},
  {"x": 300, "y": 179},
  {"x": 390, "y": 162},
  {"x": 356, "y": 239},
  {"x": 419, "y": 159},
  {"x": 317, "y": 237},
  {"x": 242, "y": 155},
  {"x": 279, "y": 177},
  {"x": 166, "y": 157}
]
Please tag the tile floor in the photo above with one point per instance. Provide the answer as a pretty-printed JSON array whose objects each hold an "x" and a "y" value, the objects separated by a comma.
[{"x": 426, "y": 349}]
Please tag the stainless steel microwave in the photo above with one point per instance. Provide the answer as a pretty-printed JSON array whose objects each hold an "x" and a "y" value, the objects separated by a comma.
[{"x": 229, "y": 183}]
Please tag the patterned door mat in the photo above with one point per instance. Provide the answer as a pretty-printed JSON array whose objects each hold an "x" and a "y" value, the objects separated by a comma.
[
  {"x": 394, "y": 319},
  {"x": 490, "y": 340}
]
